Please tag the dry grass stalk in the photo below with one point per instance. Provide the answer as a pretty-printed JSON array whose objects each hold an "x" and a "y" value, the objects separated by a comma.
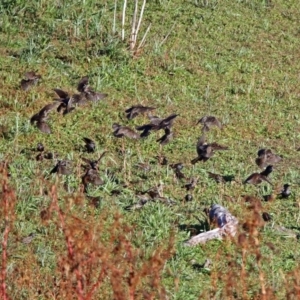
[
  {"x": 135, "y": 26},
  {"x": 7, "y": 212},
  {"x": 123, "y": 19},
  {"x": 94, "y": 265}
]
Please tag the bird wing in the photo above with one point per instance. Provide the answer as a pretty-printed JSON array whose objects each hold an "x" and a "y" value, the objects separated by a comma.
[
  {"x": 216, "y": 146},
  {"x": 44, "y": 127},
  {"x": 61, "y": 93},
  {"x": 83, "y": 84}
]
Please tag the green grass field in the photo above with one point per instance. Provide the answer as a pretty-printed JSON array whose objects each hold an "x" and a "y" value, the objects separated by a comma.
[{"x": 236, "y": 60}]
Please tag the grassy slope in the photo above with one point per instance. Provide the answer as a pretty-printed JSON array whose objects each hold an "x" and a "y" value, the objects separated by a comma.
[{"x": 233, "y": 59}]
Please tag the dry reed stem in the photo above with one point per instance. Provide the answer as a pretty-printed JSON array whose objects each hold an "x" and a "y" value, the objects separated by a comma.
[
  {"x": 7, "y": 206},
  {"x": 140, "y": 21},
  {"x": 133, "y": 35},
  {"x": 123, "y": 19},
  {"x": 70, "y": 249}
]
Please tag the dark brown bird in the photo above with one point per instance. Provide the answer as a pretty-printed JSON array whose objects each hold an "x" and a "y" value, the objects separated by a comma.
[
  {"x": 93, "y": 96},
  {"x": 155, "y": 192},
  {"x": 43, "y": 155},
  {"x": 157, "y": 123},
  {"x": 177, "y": 166},
  {"x": 135, "y": 110},
  {"x": 257, "y": 178},
  {"x": 41, "y": 117},
  {"x": 167, "y": 122},
  {"x": 266, "y": 157},
  {"x": 67, "y": 102},
  {"x": 31, "y": 79},
  {"x": 90, "y": 145},
  {"x": 138, "y": 205},
  {"x": 286, "y": 192},
  {"x": 266, "y": 217},
  {"x": 188, "y": 197},
  {"x": 91, "y": 177},
  {"x": 177, "y": 169},
  {"x": 166, "y": 138},
  {"x": 153, "y": 125},
  {"x": 28, "y": 239},
  {"x": 217, "y": 177},
  {"x": 205, "y": 151},
  {"x": 143, "y": 166},
  {"x": 162, "y": 160},
  {"x": 87, "y": 92},
  {"x": 83, "y": 84},
  {"x": 120, "y": 131},
  {"x": 208, "y": 122},
  {"x": 93, "y": 164},
  {"x": 192, "y": 184},
  {"x": 179, "y": 175},
  {"x": 40, "y": 148},
  {"x": 62, "y": 167}
]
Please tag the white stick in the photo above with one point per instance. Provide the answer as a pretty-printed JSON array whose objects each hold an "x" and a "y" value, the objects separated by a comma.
[
  {"x": 115, "y": 17},
  {"x": 202, "y": 238},
  {"x": 123, "y": 20},
  {"x": 144, "y": 37},
  {"x": 133, "y": 28},
  {"x": 167, "y": 35},
  {"x": 140, "y": 20}
]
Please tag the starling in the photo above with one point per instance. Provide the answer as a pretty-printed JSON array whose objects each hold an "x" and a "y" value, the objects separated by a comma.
[
  {"x": 162, "y": 160},
  {"x": 286, "y": 192},
  {"x": 177, "y": 166},
  {"x": 89, "y": 145},
  {"x": 266, "y": 217},
  {"x": 157, "y": 123},
  {"x": 43, "y": 155},
  {"x": 140, "y": 204},
  {"x": 28, "y": 239},
  {"x": 153, "y": 125},
  {"x": 135, "y": 110},
  {"x": 266, "y": 157},
  {"x": 155, "y": 192},
  {"x": 166, "y": 138},
  {"x": 257, "y": 178},
  {"x": 87, "y": 92},
  {"x": 90, "y": 95},
  {"x": 167, "y": 122},
  {"x": 40, "y": 147},
  {"x": 208, "y": 122},
  {"x": 143, "y": 166},
  {"x": 67, "y": 103},
  {"x": 62, "y": 167},
  {"x": 179, "y": 174},
  {"x": 192, "y": 184},
  {"x": 177, "y": 169},
  {"x": 93, "y": 164},
  {"x": 120, "y": 131},
  {"x": 31, "y": 79},
  {"x": 218, "y": 178},
  {"x": 83, "y": 84},
  {"x": 41, "y": 117},
  {"x": 205, "y": 151},
  {"x": 91, "y": 177},
  {"x": 188, "y": 197}
]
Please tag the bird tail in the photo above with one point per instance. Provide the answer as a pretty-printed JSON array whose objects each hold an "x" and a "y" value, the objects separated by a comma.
[{"x": 193, "y": 161}]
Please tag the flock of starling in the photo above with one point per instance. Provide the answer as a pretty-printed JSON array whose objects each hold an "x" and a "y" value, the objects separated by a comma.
[{"x": 66, "y": 103}]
